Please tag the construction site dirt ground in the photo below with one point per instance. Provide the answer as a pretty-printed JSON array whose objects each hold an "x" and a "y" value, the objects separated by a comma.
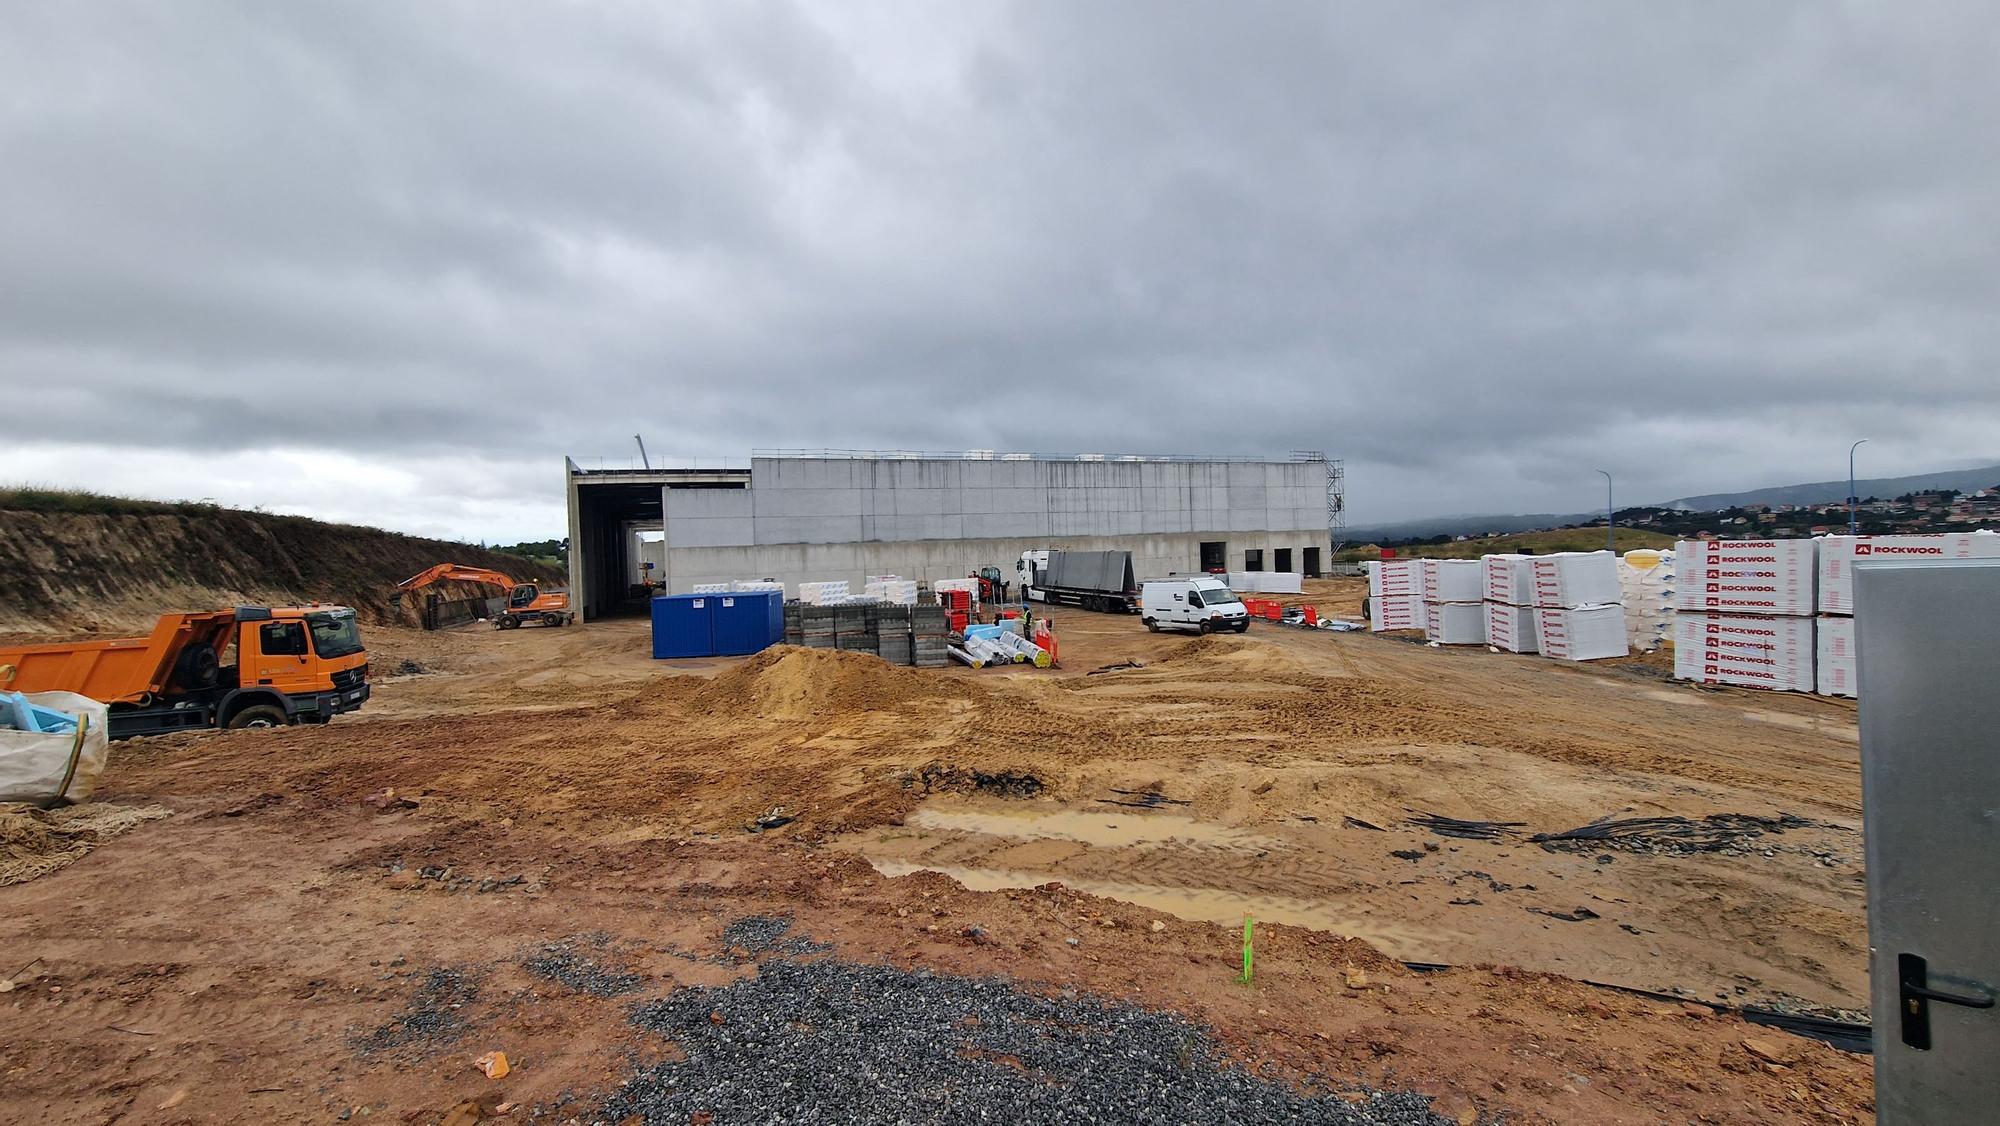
[{"x": 296, "y": 941}]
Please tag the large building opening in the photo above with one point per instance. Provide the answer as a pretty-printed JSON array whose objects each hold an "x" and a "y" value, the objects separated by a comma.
[
  {"x": 1214, "y": 555},
  {"x": 1253, "y": 559},
  {"x": 1313, "y": 568},
  {"x": 610, "y": 510},
  {"x": 1283, "y": 562}
]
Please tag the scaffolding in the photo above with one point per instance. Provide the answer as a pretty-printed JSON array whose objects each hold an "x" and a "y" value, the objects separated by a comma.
[{"x": 1336, "y": 496}]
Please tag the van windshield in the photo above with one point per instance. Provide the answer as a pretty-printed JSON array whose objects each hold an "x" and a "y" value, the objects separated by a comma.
[
  {"x": 334, "y": 632},
  {"x": 1216, "y": 595}
]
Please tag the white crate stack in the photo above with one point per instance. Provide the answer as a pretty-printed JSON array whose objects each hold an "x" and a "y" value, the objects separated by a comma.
[
  {"x": 1454, "y": 607},
  {"x": 1579, "y": 615},
  {"x": 1646, "y": 579},
  {"x": 823, "y": 594},
  {"x": 1838, "y": 556},
  {"x": 709, "y": 588},
  {"x": 1396, "y": 594},
  {"x": 1506, "y": 590},
  {"x": 1266, "y": 582},
  {"x": 889, "y": 588},
  {"x": 1743, "y": 613},
  {"x": 757, "y": 584}
]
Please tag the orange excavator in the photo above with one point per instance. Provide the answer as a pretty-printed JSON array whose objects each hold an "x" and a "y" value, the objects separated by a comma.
[{"x": 526, "y": 602}]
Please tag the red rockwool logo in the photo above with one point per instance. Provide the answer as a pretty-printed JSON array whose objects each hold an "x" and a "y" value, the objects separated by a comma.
[{"x": 1886, "y": 549}]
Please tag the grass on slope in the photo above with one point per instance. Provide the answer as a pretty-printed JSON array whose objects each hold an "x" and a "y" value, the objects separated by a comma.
[{"x": 1540, "y": 543}]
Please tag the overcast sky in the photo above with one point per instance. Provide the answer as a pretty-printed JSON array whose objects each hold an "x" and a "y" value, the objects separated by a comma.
[{"x": 389, "y": 262}]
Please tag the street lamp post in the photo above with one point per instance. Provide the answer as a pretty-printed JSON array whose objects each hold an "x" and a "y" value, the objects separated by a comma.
[
  {"x": 1610, "y": 518},
  {"x": 1853, "y": 519}
]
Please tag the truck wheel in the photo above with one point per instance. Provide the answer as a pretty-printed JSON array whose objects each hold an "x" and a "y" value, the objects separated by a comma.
[
  {"x": 196, "y": 668},
  {"x": 1152, "y": 625},
  {"x": 552, "y": 619},
  {"x": 507, "y": 621},
  {"x": 263, "y": 715}
]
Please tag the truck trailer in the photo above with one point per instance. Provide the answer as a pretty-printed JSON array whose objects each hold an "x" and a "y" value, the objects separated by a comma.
[
  {"x": 248, "y": 667},
  {"x": 1094, "y": 580}
]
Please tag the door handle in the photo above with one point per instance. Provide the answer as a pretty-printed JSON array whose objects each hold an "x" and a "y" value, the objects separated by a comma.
[{"x": 1915, "y": 995}]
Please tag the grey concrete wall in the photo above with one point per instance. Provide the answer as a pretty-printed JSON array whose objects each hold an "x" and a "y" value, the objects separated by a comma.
[
  {"x": 838, "y": 501},
  {"x": 1153, "y": 556}
]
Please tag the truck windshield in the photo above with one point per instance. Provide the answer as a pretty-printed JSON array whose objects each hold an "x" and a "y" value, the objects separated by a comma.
[{"x": 334, "y": 633}]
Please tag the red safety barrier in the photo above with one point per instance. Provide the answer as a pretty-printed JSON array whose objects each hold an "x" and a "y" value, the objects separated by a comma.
[
  {"x": 1273, "y": 611},
  {"x": 1312, "y": 615}
]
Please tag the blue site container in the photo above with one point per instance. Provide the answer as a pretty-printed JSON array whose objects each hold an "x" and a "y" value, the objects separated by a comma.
[
  {"x": 748, "y": 621},
  {"x": 684, "y": 625}
]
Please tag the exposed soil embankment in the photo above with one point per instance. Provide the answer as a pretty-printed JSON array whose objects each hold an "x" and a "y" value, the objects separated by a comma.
[{"x": 64, "y": 573}]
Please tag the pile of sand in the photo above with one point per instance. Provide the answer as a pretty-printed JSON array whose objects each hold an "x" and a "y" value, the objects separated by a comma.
[
  {"x": 788, "y": 683},
  {"x": 35, "y": 842}
]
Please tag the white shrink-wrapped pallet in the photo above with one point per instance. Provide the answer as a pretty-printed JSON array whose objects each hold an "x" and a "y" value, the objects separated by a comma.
[
  {"x": 1388, "y": 578},
  {"x": 1773, "y": 652},
  {"x": 1838, "y": 556},
  {"x": 1454, "y": 580},
  {"x": 1581, "y": 633},
  {"x": 1571, "y": 579},
  {"x": 1455, "y": 623},
  {"x": 1396, "y": 611},
  {"x": 1507, "y": 580},
  {"x": 1744, "y": 576},
  {"x": 1646, "y": 579},
  {"x": 1279, "y": 582},
  {"x": 1511, "y": 628},
  {"x": 756, "y": 584},
  {"x": 709, "y": 588},
  {"x": 823, "y": 594},
  {"x": 1833, "y": 657}
]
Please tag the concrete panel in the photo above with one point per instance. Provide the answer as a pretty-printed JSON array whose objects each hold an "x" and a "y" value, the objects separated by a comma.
[{"x": 706, "y": 503}]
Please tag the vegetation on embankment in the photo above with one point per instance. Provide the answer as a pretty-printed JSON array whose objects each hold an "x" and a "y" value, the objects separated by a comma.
[
  {"x": 76, "y": 562},
  {"x": 1538, "y": 543}
]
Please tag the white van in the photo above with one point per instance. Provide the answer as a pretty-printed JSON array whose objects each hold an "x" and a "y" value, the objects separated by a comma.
[{"x": 1203, "y": 604}]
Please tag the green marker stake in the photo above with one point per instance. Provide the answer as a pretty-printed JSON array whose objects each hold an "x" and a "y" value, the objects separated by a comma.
[{"x": 1245, "y": 979}]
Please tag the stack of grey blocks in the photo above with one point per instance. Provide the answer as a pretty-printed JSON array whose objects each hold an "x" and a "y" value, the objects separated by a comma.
[
  {"x": 795, "y": 626},
  {"x": 892, "y": 634},
  {"x": 928, "y": 629},
  {"x": 816, "y": 626},
  {"x": 854, "y": 628}
]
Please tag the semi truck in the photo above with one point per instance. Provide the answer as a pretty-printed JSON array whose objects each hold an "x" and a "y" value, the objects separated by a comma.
[
  {"x": 253, "y": 666},
  {"x": 1094, "y": 580}
]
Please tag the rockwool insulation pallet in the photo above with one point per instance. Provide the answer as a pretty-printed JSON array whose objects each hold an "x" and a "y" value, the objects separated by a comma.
[
  {"x": 1839, "y": 554},
  {"x": 1507, "y": 580},
  {"x": 1455, "y": 623},
  {"x": 1833, "y": 658},
  {"x": 1572, "y": 579},
  {"x": 1511, "y": 628},
  {"x": 1396, "y": 611},
  {"x": 1581, "y": 633},
  {"x": 1454, "y": 580},
  {"x": 1774, "y": 651},
  {"x": 1388, "y": 578},
  {"x": 1744, "y": 576}
]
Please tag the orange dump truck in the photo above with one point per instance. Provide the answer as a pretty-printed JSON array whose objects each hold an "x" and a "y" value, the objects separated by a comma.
[{"x": 247, "y": 667}]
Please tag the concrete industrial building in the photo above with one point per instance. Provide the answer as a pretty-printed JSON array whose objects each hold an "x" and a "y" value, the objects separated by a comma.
[{"x": 829, "y": 515}]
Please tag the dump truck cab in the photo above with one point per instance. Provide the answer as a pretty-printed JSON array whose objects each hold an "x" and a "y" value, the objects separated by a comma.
[{"x": 249, "y": 667}]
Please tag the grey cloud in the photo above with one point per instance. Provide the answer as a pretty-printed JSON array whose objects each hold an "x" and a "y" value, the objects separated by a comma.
[{"x": 1470, "y": 251}]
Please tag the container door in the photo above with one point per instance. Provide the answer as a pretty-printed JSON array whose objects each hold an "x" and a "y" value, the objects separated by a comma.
[{"x": 1930, "y": 763}]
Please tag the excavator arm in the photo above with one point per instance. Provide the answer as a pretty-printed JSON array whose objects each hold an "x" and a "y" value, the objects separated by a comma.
[{"x": 449, "y": 572}]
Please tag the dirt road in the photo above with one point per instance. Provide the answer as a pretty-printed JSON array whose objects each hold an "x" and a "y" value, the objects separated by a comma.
[{"x": 263, "y": 938}]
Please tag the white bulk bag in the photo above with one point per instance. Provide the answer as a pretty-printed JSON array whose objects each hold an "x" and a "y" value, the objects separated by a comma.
[{"x": 42, "y": 768}]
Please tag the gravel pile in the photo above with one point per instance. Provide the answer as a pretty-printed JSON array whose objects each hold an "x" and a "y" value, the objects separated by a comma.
[
  {"x": 432, "y": 1018},
  {"x": 566, "y": 964},
  {"x": 767, "y": 934},
  {"x": 834, "y": 1042}
]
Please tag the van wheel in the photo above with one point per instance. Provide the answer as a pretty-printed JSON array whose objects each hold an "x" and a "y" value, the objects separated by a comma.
[
  {"x": 1152, "y": 625},
  {"x": 1202, "y": 626},
  {"x": 262, "y": 715}
]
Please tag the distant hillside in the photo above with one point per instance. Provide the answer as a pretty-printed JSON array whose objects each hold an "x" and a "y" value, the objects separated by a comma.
[
  {"x": 1465, "y": 526},
  {"x": 75, "y": 562},
  {"x": 1538, "y": 543},
  {"x": 1831, "y": 492}
]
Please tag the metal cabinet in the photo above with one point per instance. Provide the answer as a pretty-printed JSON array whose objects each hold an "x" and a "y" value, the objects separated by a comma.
[{"x": 1928, "y": 649}]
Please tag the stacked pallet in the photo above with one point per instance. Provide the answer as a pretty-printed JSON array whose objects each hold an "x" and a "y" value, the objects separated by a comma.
[
  {"x": 928, "y": 637},
  {"x": 1579, "y": 612},
  {"x": 741, "y": 585},
  {"x": 1508, "y": 600},
  {"x": 892, "y": 634},
  {"x": 1838, "y": 556},
  {"x": 1454, "y": 606},
  {"x": 709, "y": 588},
  {"x": 823, "y": 594},
  {"x": 1646, "y": 579},
  {"x": 1396, "y": 594},
  {"x": 1743, "y": 613},
  {"x": 816, "y": 626},
  {"x": 889, "y": 588}
]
